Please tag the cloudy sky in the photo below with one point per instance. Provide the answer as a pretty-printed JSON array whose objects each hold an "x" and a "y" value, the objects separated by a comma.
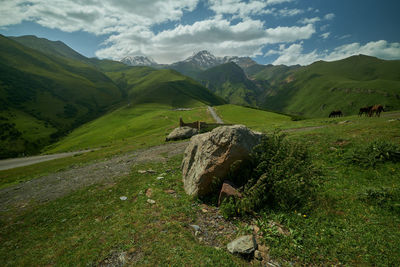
[{"x": 270, "y": 31}]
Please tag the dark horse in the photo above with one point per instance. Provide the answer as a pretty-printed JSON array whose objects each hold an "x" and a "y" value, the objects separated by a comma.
[
  {"x": 365, "y": 110},
  {"x": 377, "y": 109},
  {"x": 336, "y": 113}
]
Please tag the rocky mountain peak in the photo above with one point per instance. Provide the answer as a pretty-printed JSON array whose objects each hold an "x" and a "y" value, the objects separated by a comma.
[{"x": 138, "y": 61}]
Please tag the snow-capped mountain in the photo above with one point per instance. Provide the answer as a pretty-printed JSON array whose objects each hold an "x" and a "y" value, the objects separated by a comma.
[
  {"x": 243, "y": 62},
  {"x": 138, "y": 61},
  {"x": 205, "y": 60}
]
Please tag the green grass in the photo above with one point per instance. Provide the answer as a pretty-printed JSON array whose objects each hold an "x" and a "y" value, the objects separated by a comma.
[
  {"x": 341, "y": 227},
  {"x": 317, "y": 89},
  {"x": 85, "y": 227},
  {"x": 146, "y": 123}
]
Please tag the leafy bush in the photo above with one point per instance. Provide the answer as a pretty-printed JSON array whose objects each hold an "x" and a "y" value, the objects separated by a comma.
[
  {"x": 371, "y": 154},
  {"x": 280, "y": 175},
  {"x": 388, "y": 198}
]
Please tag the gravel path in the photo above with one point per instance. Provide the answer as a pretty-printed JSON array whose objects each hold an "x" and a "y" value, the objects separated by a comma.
[
  {"x": 215, "y": 116},
  {"x": 58, "y": 184},
  {"x": 6, "y": 164}
]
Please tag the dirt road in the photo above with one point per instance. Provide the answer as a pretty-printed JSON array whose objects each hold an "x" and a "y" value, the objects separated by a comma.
[
  {"x": 61, "y": 183},
  {"x": 215, "y": 116},
  {"x": 6, "y": 164}
]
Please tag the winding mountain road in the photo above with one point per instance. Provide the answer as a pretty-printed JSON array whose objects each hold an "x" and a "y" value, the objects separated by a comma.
[
  {"x": 215, "y": 116},
  {"x": 6, "y": 164}
]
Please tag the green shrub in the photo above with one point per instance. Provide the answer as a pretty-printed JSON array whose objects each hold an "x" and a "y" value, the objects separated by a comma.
[
  {"x": 371, "y": 154},
  {"x": 387, "y": 198},
  {"x": 280, "y": 176}
]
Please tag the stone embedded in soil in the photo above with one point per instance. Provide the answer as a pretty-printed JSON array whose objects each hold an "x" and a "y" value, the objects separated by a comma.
[
  {"x": 195, "y": 227},
  {"x": 258, "y": 255},
  {"x": 170, "y": 191},
  {"x": 150, "y": 201},
  {"x": 228, "y": 190},
  {"x": 243, "y": 245},
  {"x": 160, "y": 178},
  {"x": 149, "y": 192},
  {"x": 123, "y": 198}
]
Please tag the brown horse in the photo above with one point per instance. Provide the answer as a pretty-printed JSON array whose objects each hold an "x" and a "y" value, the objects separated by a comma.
[
  {"x": 377, "y": 109},
  {"x": 336, "y": 113},
  {"x": 365, "y": 110}
]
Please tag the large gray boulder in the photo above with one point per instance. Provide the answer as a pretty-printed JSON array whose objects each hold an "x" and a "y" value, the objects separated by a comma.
[
  {"x": 181, "y": 133},
  {"x": 210, "y": 155},
  {"x": 243, "y": 245}
]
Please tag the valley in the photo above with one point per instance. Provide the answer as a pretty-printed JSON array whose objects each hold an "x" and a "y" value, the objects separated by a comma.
[{"x": 118, "y": 198}]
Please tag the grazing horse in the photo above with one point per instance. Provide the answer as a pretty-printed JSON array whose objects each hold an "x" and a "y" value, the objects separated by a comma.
[
  {"x": 377, "y": 109},
  {"x": 336, "y": 113},
  {"x": 365, "y": 110}
]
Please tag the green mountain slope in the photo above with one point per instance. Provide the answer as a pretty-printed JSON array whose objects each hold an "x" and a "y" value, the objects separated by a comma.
[
  {"x": 167, "y": 87},
  {"x": 53, "y": 48},
  {"x": 54, "y": 93},
  {"x": 230, "y": 82},
  {"x": 348, "y": 84}
]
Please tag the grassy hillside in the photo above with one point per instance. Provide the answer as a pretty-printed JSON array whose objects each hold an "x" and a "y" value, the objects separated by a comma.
[
  {"x": 53, "y": 48},
  {"x": 353, "y": 221},
  {"x": 147, "y": 85},
  {"x": 58, "y": 92},
  {"x": 147, "y": 124},
  {"x": 348, "y": 84},
  {"x": 230, "y": 82}
]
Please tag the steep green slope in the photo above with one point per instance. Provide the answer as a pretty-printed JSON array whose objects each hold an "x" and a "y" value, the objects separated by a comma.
[
  {"x": 57, "y": 92},
  {"x": 53, "y": 48},
  {"x": 146, "y": 124},
  {"x": 168, "y": 87},
  {"x": 348, "y": 84},
  {"x": 230, "y": 82}
]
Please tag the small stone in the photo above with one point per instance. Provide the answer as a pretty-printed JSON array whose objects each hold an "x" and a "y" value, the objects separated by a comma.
[
  {"x": 163, "y": 174},
  {"x": 195, "y": 227},
  {"x": 149, "y": 192},
  {"x": 243, "y": 245},
  {"x": 123, "y": 198},
  {"x": 142, "y": 171},
  {"x": 150, "y": 201},
  {"x": 204, "y": 210},
  {"x": 151, "y": 171},
  {"x": 256, "y": 229},
  {"x": 160, "y": 178},
  {"x": 228, "y": 190},
  {"x": 258, "y": 255},
  {"x": 221, "y": 227},
  {"x": 170, "y": 191}
]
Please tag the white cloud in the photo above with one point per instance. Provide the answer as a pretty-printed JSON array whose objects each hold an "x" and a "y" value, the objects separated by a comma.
[
  {"x": 93, "y": 16},
  {"x": 290, "y": 12},
  {"x": 325, "y": 35},
  {"x": 294, "y": 54},
  {"x": 218, "y": 35},
  {"x": 344, "y": 36},
  {"x": 242, "y": 9},
  {"x": 309, "y": 20},
  {"x": 329, "y": 16}
]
